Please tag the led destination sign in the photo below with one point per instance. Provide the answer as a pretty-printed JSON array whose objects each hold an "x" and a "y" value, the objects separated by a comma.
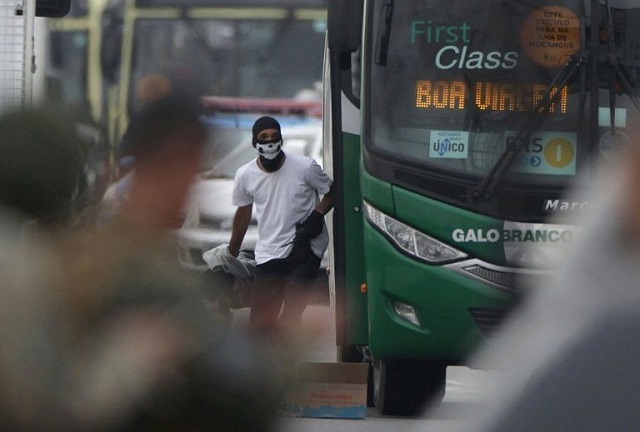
[{"x": 487, "y": 96}]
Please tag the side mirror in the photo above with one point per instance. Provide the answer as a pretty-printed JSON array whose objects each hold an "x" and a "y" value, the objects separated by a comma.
[
  {"x": 52, "y": 8},
  {"x": 344, "y": 25}
]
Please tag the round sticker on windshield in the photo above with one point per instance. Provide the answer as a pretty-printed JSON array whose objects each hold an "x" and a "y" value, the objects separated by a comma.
[
  {"x": 612, "y": 144},
  {"x": 550, "y": 36}
]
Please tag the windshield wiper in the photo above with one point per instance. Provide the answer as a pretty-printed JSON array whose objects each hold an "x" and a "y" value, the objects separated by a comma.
[
  {"x": 383, "y": 33},
  {"x": 198, "y": 35},
  {"x": 284, "y": 26},
  {"x": 620, "y": 71},
  {"x": 487, "y": 186}
]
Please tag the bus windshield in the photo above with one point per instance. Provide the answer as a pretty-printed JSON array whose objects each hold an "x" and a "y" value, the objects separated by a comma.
[
  {"x": 252, "y": 53},
  {"x": 452, "y": 88}
]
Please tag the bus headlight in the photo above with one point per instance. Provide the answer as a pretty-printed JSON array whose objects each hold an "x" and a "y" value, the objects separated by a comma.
[
  {"x": 410, "y": 240},
  {"x": 407, "y": 312}
]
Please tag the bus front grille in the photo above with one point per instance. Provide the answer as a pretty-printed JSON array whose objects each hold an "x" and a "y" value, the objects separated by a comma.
[
  {"x": 487, "y": 320},
  {"x": 443, "y": 188}
]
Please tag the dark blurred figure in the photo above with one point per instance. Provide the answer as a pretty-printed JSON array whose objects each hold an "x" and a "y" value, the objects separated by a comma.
[
  {"x": 110, "y": 334},
  {"x": 41, "y": 187},
  {"x": 41, "y": 167},
  {"x": 149, "y": 89},
  {"x": 570, "y": 355}
]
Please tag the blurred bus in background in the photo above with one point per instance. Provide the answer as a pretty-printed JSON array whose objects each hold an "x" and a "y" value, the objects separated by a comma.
[
  {"x": 233, "y": 48},
  {"x": 74, "y": 79}
]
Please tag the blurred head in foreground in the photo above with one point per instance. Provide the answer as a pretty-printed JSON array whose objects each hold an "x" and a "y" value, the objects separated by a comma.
[
  {"x": 569, "y": 356},
  {"x": 167, "y": 140},
  {"x": 41, "y": 166},
  {"x": 152, "y": 87}
]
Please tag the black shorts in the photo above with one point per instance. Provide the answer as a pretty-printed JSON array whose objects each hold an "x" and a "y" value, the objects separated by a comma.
[{"x": 305, "y": 270}]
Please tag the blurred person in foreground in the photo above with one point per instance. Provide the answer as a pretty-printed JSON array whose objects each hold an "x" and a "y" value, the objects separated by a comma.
[
  {"x": 41, "y": 168},
  {"x": 41, "y": 186},
  {"x": 292, "y": 237},
  {"x": 569, "y": 357},
  {"x": 149, "y": 89},
  {"x": 108, "y": 334}
]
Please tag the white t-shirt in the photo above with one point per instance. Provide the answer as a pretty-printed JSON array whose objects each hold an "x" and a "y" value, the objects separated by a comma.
[{"x": 281, "y": 199}]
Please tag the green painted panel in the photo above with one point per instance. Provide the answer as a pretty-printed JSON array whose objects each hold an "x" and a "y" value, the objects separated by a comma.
[
  {"x": 378, "y": 192},
  {"x": 356, "y": 302},
  {"x": 478, "y": 235},
  {"x": 441, "y": 297}
]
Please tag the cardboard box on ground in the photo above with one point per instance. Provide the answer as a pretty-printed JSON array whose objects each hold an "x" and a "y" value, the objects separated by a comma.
[{"x": 329, "y": 390}]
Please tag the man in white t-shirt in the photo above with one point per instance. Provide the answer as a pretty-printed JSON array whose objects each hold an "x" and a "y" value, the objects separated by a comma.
[{"x": 285, "y": 190}]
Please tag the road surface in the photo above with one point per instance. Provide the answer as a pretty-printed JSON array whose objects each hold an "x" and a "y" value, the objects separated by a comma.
[{"x": 466, "y": 394}]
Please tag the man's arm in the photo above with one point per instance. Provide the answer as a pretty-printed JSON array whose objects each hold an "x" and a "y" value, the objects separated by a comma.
[
  {"x": 313, "y": 224},
  {"x": 241, "y": 221},
  {"x": 326, "y": 203}
]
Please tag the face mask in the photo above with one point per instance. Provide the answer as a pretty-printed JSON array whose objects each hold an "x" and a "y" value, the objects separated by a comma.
[
  {"x": 272, "y": 165},
  {"x": 269, "y": 150}
]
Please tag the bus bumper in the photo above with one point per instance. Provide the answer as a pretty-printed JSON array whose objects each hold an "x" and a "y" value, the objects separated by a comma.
[{"x": 423, "y": 311}]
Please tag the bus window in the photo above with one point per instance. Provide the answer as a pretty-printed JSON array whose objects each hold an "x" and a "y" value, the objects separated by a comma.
[
  {"x": 240, "y": 57},
  {"x": 453, "y": 94}
]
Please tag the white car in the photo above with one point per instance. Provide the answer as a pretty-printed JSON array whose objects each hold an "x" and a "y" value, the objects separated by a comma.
[{"x": 210, "y": 213}]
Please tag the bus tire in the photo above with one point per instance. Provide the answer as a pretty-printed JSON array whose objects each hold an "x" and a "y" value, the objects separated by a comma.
[{"x": 406, "y": 387}]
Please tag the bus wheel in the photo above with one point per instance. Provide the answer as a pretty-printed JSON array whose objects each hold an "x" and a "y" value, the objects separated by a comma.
[{"x": 405, "y": 387}]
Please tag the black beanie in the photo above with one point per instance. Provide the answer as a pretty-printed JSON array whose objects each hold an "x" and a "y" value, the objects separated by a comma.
[{"x": 261, "y": 124}]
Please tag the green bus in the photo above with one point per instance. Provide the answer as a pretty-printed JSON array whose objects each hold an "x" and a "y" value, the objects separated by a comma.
[{"x": 454, "y": 130}]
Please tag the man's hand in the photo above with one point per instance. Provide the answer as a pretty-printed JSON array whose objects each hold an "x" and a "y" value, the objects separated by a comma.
[{"x": 311, "y": 227}]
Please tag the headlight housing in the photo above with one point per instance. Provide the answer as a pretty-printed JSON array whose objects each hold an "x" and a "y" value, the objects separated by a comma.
[{"x": 412, "y": 241}]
